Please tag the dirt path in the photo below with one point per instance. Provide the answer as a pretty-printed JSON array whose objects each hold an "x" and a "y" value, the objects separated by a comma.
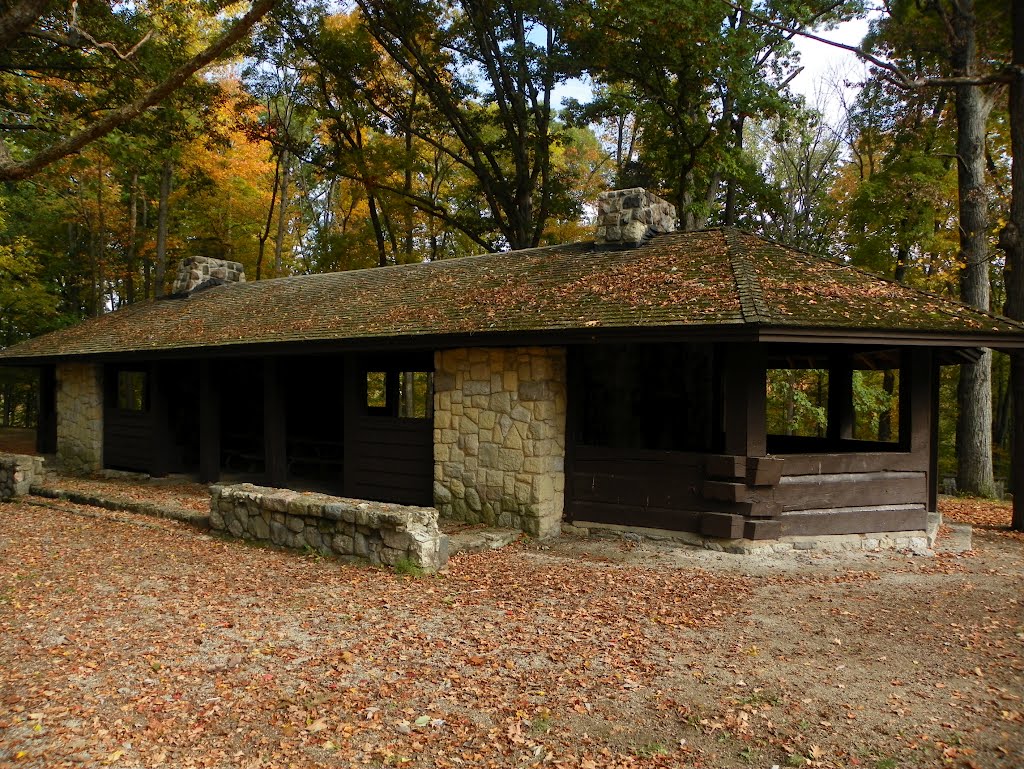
[{"x": 130, "y": 641}]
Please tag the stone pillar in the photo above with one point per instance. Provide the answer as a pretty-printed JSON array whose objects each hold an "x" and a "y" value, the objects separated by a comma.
[
  {"x": 499, "y": 437},
  {"x": 79, "y": 417}
]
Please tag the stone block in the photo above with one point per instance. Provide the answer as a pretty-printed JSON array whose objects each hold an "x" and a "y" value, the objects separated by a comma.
[
  {"x": 258, "y": 528},
  {"x": 510, "y": 460},
  {"x": 279, "y": 534},
  {"x": 397, "y": 540}
]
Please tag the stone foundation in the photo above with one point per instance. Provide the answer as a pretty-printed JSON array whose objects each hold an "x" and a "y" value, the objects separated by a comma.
[
  {"x": 79, "y": 418},
  {"x": 916, "y": 542},
  {"x": 499, "y": 437},
  {"x": 17, "y": 474},
  {"x": 382, "y": 533}
]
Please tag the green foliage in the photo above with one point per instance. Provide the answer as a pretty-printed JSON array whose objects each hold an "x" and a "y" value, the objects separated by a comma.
[
  {"x": 876, "y": 405},
  {"x": 27, "y": 304},
  {"x": 408, "y": 568},
  {"x": 797, "y": 402}
]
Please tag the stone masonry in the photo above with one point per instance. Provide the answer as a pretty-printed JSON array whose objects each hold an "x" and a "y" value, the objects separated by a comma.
[
  {"x": 196, "y": 270},
  {"x": 626, "y": 218},
  {"x": 17, "y": 474},
  {"x": 79, "y": 418},
  {"x": 381, "y": 532},
  {"x": 499, "y": 437}
]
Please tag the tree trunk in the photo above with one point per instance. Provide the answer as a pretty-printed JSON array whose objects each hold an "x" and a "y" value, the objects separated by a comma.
[
  {"x": 161, "y": 229},
  {"x": 974, "y": 424},
  {"x": 133, "y": 239},
  {"x": 263, "y": 236},
  {"x": 1011, "y": 239},
  {"x": 101, "y": 242},
  {"x": 282, "y": 215}
]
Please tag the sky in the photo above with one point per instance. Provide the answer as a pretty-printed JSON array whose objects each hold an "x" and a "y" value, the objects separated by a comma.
[{"x": 824, "y": 66}]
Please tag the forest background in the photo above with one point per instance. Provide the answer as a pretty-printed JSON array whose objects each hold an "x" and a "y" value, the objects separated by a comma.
[{"x": 331, "y": 136}]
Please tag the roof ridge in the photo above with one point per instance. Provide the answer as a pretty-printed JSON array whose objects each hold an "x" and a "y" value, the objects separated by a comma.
[{"x": 748, "y": 287}]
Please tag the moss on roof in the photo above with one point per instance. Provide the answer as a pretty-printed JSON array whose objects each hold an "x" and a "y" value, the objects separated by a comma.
[{"x": 712, "y": 277}]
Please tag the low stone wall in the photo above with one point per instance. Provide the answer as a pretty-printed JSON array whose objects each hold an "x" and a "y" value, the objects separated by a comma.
[
  {"x": 17, "y": 474},
  {"x": 378, "y": 531}
]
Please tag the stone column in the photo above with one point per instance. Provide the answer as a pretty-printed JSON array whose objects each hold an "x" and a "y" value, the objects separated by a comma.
[
  {"x": 79, "y": 417},
  {"x": 499, "y": 437}
]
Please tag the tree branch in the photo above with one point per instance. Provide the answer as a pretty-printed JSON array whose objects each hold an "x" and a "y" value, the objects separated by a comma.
[
  {"x": 897, "y": 75},
  {"x": 16, "y": 171}
]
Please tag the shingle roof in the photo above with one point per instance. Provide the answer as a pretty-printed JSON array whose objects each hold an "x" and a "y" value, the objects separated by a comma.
[{"x": 719, "y": 277}]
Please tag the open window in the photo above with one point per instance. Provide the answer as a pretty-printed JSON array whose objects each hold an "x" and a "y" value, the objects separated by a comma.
[
  {"x": 834, "y": 402},
  {"x": 132, "y": 390},
  {"x": 404, "y": 394}
]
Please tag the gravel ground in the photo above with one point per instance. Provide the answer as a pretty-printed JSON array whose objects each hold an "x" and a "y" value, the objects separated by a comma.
[{"x": 138, "y": 642}]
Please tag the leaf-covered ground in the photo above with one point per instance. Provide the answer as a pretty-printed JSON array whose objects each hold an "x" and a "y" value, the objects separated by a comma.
[{"x": 135, "y": 642}]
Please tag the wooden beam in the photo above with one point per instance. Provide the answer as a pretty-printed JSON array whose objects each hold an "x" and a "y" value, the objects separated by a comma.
[
  {"x": 46, "y": 430},
  {"x": 764, "y": 471},
  {"x": 160, "y": 419},
  {"x": 745, "y": 400},
  {"x": 353, "y": 395},
  {"x": 933, "y": 434},
  {"x": 840, "y": 397},
  {"x": 726, "y": 467},
  {"x": 721, "y": 525},
  {"x": 209, "y": 424},
  {"x": 274, "y": 434}
]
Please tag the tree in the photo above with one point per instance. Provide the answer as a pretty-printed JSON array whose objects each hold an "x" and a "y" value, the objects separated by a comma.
[
  {"x": 485, "y": 72},
  {"x": 692, "y": 100},
  {"x": 54, "y": 44},
  {"x": 1011, "y": 239}
]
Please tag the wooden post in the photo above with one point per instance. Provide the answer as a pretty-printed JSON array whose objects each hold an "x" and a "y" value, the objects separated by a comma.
[
  {"x": 353, "y": 395},
  {"x": 745, "y": 397},
  {"x": 160, "y": 420},
  {"x": 209, "y": 424},
  {"x": 46, "y": 427},
  {"x": 919, "y": 404},
  {"x": 840, "y": 397},
  {"x": 274, "y": 435}
]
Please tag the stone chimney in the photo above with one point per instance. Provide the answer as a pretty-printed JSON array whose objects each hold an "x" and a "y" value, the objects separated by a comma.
[
  {"x": 626, "y": 218},
  {"x": 196, "y": 271}
]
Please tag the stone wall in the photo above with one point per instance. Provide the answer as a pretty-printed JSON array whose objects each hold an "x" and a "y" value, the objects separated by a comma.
[
  {"x": 378, "y": 531},
  {"x": 17, "y": 474},
  {"x": 79, "y": 417},
  {"x": 499, "y": 437}
]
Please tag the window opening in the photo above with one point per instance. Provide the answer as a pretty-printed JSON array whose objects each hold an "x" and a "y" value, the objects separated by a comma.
[
  {"x": 798, "y": 402},
  {"x": 131, "y": 390},
  {"x": 416, "y": 395},
  {"x": 876, "y": 405},
  {"x": 376, "y": 390}
]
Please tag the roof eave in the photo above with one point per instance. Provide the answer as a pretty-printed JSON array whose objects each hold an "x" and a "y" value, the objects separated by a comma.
[{"x": 1002, "y": 341}]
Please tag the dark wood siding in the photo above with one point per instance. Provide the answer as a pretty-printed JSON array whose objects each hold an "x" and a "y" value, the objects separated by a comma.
[
  {"x": 390, "y": 459},
  {"x": 127, "y": 440},
  {"x": 632, "y": 487},
  {"x": 851, "y": 493}
]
